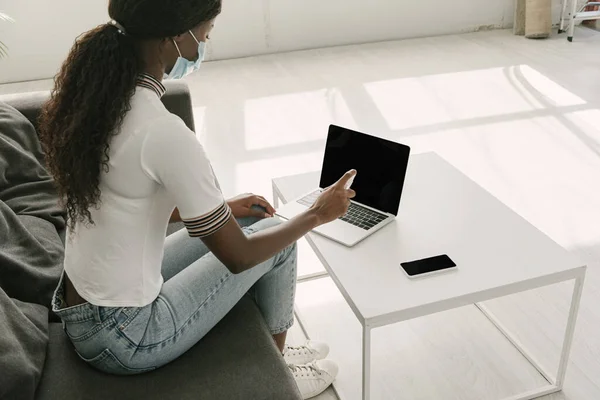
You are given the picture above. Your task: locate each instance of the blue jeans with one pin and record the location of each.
(197, 293)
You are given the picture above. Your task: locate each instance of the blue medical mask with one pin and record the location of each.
(183, 67)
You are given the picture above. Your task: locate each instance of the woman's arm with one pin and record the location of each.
(240, 252)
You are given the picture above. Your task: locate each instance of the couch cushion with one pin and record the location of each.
(23, 345)
(236, 360)
(31, 218)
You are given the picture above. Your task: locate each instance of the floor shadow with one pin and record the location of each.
(588, 141)
(384, 131)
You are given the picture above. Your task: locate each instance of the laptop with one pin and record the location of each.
(381, 170)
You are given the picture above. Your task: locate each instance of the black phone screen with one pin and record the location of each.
(427, 265)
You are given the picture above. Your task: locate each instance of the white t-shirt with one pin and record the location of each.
(156, 164)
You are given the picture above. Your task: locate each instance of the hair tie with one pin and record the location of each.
(119, 27)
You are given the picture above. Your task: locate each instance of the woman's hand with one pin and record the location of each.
(242, 206)
(335, 200)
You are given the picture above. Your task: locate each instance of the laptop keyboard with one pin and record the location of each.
(357, 215)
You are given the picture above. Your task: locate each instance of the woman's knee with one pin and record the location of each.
(249, 221)
(263, 224)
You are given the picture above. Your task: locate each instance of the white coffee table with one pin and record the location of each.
(442, 211)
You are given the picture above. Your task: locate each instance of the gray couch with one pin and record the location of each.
(236, 360)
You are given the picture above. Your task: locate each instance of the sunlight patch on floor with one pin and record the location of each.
(433, 99)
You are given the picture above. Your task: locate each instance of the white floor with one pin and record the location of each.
(520, 117)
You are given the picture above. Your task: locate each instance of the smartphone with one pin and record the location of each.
(428, 266)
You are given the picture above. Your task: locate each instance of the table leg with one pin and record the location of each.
(300, 322)
(556, 385)
(275, 196)
(366, 360)
(515, 342)
(569, 331)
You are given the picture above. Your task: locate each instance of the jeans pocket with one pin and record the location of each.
(83, 330)
(132, 323)
(125, 315)
(107, 362)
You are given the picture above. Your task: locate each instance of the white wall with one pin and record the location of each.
(253, 26)
(43, 33)
(45, 30)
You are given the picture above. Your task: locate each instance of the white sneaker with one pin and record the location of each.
(309, 352)
(313, 378)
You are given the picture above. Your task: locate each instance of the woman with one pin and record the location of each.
(131, 301)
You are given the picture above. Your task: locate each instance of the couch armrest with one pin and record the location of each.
(29, 104)
(177, 100)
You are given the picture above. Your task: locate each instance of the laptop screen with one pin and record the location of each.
(380, 164)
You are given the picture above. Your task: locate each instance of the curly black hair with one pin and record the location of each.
(93, 89)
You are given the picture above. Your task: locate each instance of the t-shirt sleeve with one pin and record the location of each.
(173, 157)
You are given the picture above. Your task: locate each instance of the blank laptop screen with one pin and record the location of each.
(380, 164)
